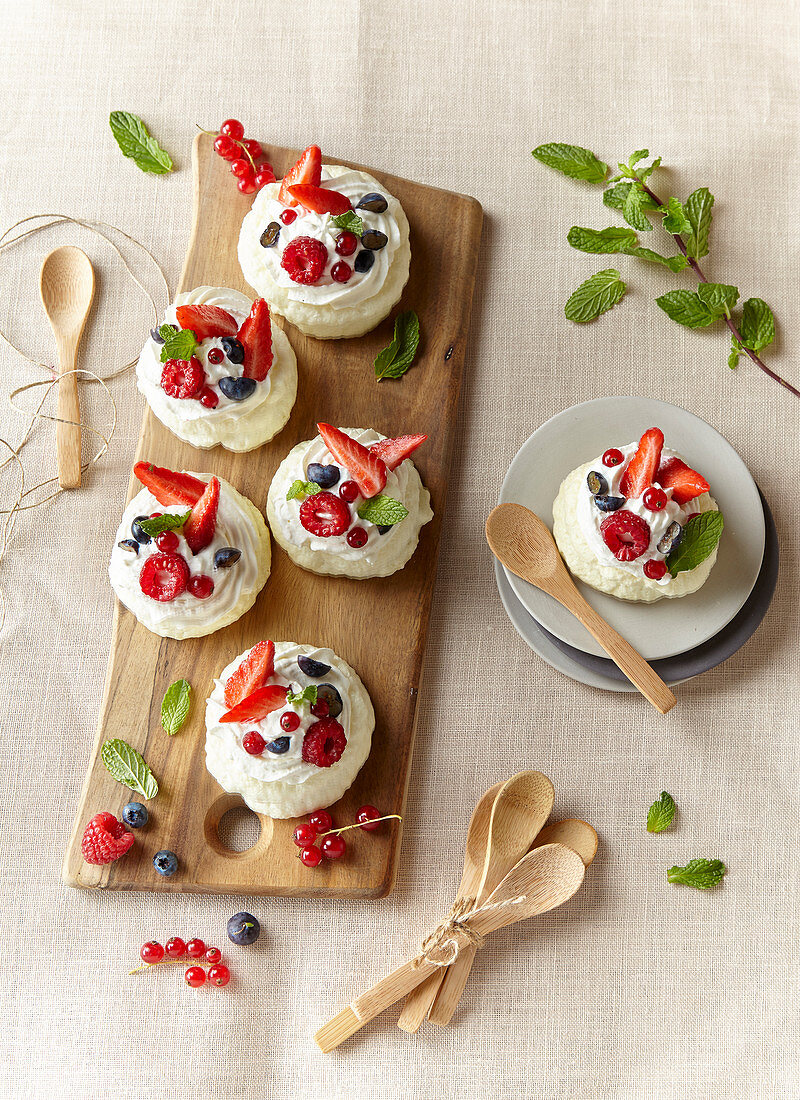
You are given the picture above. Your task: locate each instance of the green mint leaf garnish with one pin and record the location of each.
(394, 360)
(595, 296)
(175, 705)
(166, 332)
(719, 297)
(757, 328)
(685, 307)
(661, 813)
(700, 537)
(736, 351)
(572, 161)
(700, 873)
(613, 239)
(674, 263)
(135, 142)
(299, 490)
(698, 211)
(640, 154)
(382, 511)
(179, 346)
(349, 221)
(633, 209)
(307, 695)
(646, 173)
(127, 766)
(169, 521)
(615, 197)
(675, 220)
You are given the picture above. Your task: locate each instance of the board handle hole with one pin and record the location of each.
(239, 829)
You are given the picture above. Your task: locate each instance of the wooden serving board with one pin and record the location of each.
(379, 626)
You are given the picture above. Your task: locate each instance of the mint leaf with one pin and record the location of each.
(758, 324)
(299, 490)
(698, 211)
(595, 296)
(169, 521)
(166, 332)
(661, 813)
(615, 197)
(736, 351)
(719, 297)
(175, 705)
(675, 220)
(674, 263)
(700, 873)
(640, 154)
(179, 346)
(349, 221)
(685, 307)
(572, 161)
(127, 766)
(382, 511)
(646, 173)
(700, 536)
(135, 142)
(307, 695)
(613, 239)
(394, 360)
(633, 209)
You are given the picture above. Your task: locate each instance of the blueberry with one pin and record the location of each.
(243, 929)
(670, 539)
(129, 544)
(269, 238)
(138, 533)
(159, 339)
(608, 503)
(364, 261)
(237, 389)
(327, 693)
(226, 556)
(313, 668)
(165, 862)
(279, 746)
(596, 482)
(324, 476)
(135, 815)
(374, 240)
(384, 528)
(233, 348)
(375, 203)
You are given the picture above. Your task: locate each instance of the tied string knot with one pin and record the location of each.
(442, 946)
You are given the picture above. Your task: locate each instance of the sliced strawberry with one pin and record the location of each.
(202, 523)
(258, 705)
(168, 486)
(320, 199)
(307, 170)
(686, 483)
(395, 451)
(206, 321)
(368, 470)
(252, 673)
(255, 336)
(642, 468)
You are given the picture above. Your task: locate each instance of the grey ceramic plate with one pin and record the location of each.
(668, 627)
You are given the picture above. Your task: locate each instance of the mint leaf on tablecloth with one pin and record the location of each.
(615, 197)
(758, 324)
(394, 360)
(613, 239)
(179, 346)
(349, 221)
(127, 766)
(175, 705)
(661, 813)
(674, 263)
(700, 873)
(595, 296)
(736, 351)
(572, 161)
(307, 695)
(169, 521)
(685, 307)
(633, 209)
(698, 211)
(135, 142)
(675, 220)
(299, 490)
(700, 537)
(719, 297)
(382, 511)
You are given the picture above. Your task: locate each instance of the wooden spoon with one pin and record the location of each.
(420, 1000)
(572, 833)
(523, 544)
(545, 877)
(520, 810)
(66, 286)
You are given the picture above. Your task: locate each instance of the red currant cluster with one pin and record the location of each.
(332, 846)
(153, 953)
(243, 154)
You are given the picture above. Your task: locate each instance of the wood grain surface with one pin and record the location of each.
(379, 626)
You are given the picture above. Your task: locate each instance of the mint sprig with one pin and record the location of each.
(128, 766)
(307, 695)
(135, 142)
(166, 332)
(394, 360)
(169, 521)
(382, 511)
(175, 706)
(700, 537)
(349, 221)
(700, 873)
(573, 161)
(597, 295)
(181, 345)
(299, 490)
(661, 813)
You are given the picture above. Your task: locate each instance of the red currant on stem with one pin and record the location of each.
(219, 974)
(247, 184)
(304, 835)
(195, 976)
(333, 846)
(226, 147)
(213, 955)
(152, 952)
(367, 818)
(175, 948)
(241, 167)
(195, 948)
(311, 856)
(321, 821)
(264, 175)
(253, 147)
(232, 128)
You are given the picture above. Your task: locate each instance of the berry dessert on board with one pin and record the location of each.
(288, 727)
(327, 247)
(191, 554)
(217, 371)
(638, 522)
(349, 502)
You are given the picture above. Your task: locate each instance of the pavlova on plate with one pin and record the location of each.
(638, 522)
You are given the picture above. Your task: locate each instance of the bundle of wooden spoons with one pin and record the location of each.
(513, 869)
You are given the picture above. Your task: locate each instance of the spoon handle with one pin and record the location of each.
(68, 428)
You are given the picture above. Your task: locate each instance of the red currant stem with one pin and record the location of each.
(359, 825)
(148, 966)
(246, 153)
(695, 266)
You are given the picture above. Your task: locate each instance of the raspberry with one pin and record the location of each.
(324, 743)
(324, 514)
(164, 576)
(304, 260)
(182, 377)
(105, 839)
(625, 534)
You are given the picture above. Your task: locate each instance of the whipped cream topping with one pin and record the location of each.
(326, 291)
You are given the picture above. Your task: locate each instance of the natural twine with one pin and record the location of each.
(444, 944)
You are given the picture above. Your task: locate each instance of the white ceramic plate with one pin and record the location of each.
(667, 627)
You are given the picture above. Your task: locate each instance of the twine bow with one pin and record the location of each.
(442, 946)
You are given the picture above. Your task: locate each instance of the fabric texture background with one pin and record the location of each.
(636, 988)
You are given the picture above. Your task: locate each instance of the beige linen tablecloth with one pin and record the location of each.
(636, 989)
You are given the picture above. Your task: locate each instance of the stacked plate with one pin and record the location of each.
(680, 637)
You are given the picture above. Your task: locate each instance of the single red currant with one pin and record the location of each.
(346, 243)
(253, 147)
(200, 586)
(167, 541)
(333, 846)
(264, 175)
(175, 948)
(213, 954)
(195, 948)
(226, 148)
(311, 856)
(241, 167)
(152, 952)
(208, 398)
(655, 499)
(219, 974)
(289, 721)
(366, 818)
(216, 355)
(613, 457)
(348, 491)
(304, 835)
(320, 709)
(654, 569)
(357, 537)
(232, 128)
(321, 820)
(253, 743)
(341, 272)
(288, 216)
(247, 184)
(195, 976)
